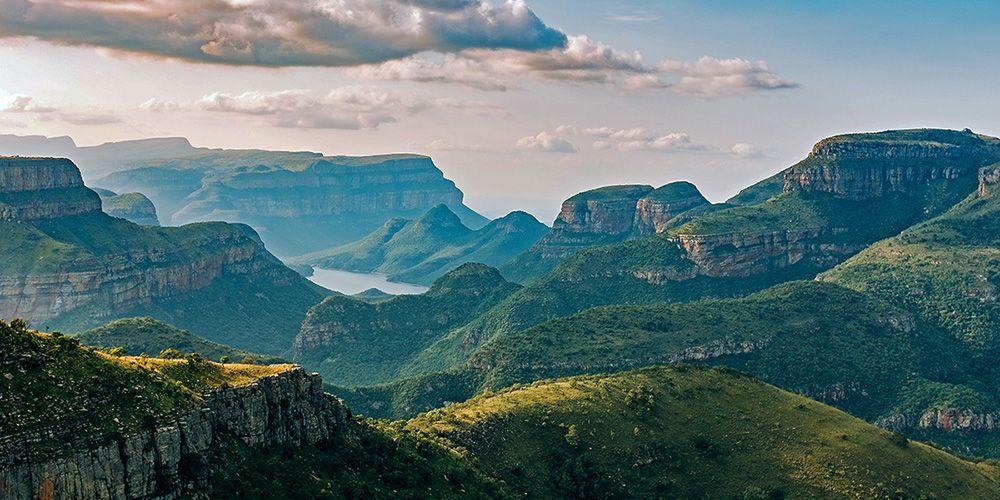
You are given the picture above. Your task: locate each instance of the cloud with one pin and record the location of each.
(281, 32)
(581, 60)
(635, 139)
(159, 106)
(27, 105)
(443, 145)
(546, 142)
(712, 77)
(744, 150)
(349, 108)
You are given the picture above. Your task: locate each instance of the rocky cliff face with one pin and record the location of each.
(168, 460)
(67, 265)
(43, 188)
(609, 211)
(866, 166)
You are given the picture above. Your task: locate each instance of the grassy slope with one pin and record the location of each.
(372, 342)
(687, 432)
(147, 335)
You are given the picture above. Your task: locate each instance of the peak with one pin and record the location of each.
(675, 191)
(519, 218)
(469, 276)
(926, 137)
(439, 214)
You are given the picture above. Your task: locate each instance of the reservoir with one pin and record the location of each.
(351, 283)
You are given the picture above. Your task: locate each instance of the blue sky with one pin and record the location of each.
(567, 118)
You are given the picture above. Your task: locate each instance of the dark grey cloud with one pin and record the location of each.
(281, 32)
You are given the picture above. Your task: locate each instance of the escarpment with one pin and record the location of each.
(298, 204)
(134, 207)
(171, 456)
(34, 189)
(850, 191)
(68, 265)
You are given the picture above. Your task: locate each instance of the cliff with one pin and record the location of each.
(67, 265)
(43, 188)
(605, 215)
(79, 424)
(297, 203)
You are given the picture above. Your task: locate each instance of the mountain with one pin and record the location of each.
(351, 341)
(424, 249)
(298, 201)
(848, 193)
(605, 215)
(67, 265)
(687, 432)
(133, 207)
(146, 335)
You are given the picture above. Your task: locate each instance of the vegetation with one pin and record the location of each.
(369, 343)
(147, 335)
(68, 396)
(687, 432)
(422, 250)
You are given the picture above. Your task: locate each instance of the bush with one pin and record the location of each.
(171, 353)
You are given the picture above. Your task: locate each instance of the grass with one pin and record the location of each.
(686, 432)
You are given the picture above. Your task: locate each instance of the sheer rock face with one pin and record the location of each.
(43, 188)
(867, 166)
(609, 211)
(989, 178)
(170, 460)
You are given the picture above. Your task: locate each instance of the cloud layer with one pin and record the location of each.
(281, 32)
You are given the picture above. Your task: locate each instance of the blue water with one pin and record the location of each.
(352, 283)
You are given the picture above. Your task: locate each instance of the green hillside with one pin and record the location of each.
(147, 335)
(422, 250)
(352, 341)
(258, 311)
(687, 432)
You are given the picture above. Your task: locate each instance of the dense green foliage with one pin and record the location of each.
(147, 335)
(422, 250)
(686, 432)
(370, 343)
(369, 460)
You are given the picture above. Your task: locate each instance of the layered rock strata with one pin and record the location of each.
(170, 459)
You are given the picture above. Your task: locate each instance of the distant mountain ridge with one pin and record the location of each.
(298, 201)
(426, 248)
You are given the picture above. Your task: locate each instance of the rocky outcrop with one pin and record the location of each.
(170, 459)
(946, 420)
(748, 254)
(608, 210)
(43, 188)
(864, 166)
(989, 178)
(656, 209)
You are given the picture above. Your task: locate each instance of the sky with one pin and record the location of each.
(521, 103)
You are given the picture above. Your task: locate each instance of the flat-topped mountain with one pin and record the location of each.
(298, 201)
(67, 265)
(424, 249)
(605, 215)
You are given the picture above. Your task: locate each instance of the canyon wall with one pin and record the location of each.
(43, 188)
(171, 459)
